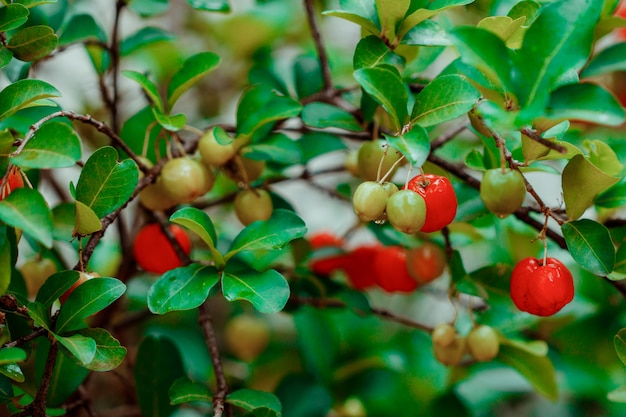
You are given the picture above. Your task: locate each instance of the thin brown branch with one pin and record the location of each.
(321, 52)
(114, 50)
(534, 135)
(447, 136)
(25, 339)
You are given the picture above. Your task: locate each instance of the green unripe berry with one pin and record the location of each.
(369, 201)
(406, 211)
(502, 191)
(483, 343)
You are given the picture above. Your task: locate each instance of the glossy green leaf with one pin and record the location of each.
(607, 60)
(182, 288)
(169, 122)
(589, 243)
(614, 197)
(184, 390)
(192, 70)
(40, 315)
(143, 37)
(485, 51)
(528, 9)
(315, 144)
(582, 182)
(55, 285)
(158, 366)
(148, 8)
(22, 93)
(33, 3)
(267, 291)
(363, 13)
(221, 6)
(33, 42)
(603, 156)
(81, 28)
(385, 86)
(278, 148)
(558, 41)
(619, 341)
(281, 228)
(199, 222)
(414, 145)
(445, 98)
(11, 355)
(87, 299)
(12, 16)
(418, 14)
(26, 209)
(141, 133)
(307, 75)
(148, 87)
(249, 400)
(260, 105)
(106, 184)
(54, 145)
(537, 370)
(322, 115)
(427, 33)
(13, 371)
(108, 355)
(5, 57)
(586, 101)
(86, 221)
(372, 51)
(81, 348)
(317, 342)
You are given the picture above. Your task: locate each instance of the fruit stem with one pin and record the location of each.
(380, 163)
(391, 169)
(424, 183)
(146, 139)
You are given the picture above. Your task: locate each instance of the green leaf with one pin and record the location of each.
(81, 348)
(199, 222)
(6, 264)
(486, 52)
(278, 148)
(168, 122)
(12, 371)
(503, 26)
(589, 243)
(221, 6)
(318, 343)
(414, 145)
(315, 144)
(105, 184)
(603, 157)
(582, 182)
(263, 412)
(385, 86)
(267, 291)
(390, 14)
(26, 209)
(538, 370)
(55, 286)
(54, 145)
(614, 197)
(11, 355)
(260, 105)
(33, 3)
(182, 288)
(250, 400)
(87, 299)
(40, 314)
(322, 115)
(143, 37)
(33, 42)
(281, 228)
(620, 345)
(372, 51)
(86, 221)
(617, 395)
(148, 87)
(608, 60)
(585, 101)
(418, 14)
(445, 98)
(81, 28)
(12, 16)
(157, 367)
(109, 354)
(149, 8)
(184, 390)
(427, 33)
(5, 57)
(558, 41)
(20, 94)
(363, 13)
(192, 70)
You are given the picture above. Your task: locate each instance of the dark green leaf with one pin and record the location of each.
(6, 264)
(87, 299)
(109, 354)
(184, 390)
(278, 148)
(86, 221)
(141, 134)
(13, 371)
(620, 345)
(192, 70)
(249, 400)
(26, 209)
(303, 395)
(81, 28)
(608, 60)
(55, 285)
(143, 37)
(317, 341)
(260, 105)
(586, 101)
(263, 412)
(222, 6)
(538, 370)
(33, 42)
(199, 222)
(12, 16)
(307, 75)
(267, 291)
(614, 197)
(148, 87)
(445, 98)
(182, 288)
(54, 145)
(414, 145)
(372, 51)
(22, 93)
(78, 347)
(11, 355)
(315, 144)
(322, 115)
(157, 366)
(106, 184)
(5, 56)
(385, 86)
(589, 243)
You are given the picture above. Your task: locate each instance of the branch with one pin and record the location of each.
(534, 135)
(321, 52)
(115, 64)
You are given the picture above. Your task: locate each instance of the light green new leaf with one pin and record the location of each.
(33, 42)
(414, 145)
(445, 98)
(608, 60)
(33, 3)
(182, 288)
(22, 93)
(87, 299)
(105, 184)
(603, 156)
(192, 70)
(54, 145)
(321, 115)
(538, 370)
(109, 354)
(589, 243)
(80, 348)
(267, 291)
(143, 37)
(582, 182)
(503, 26)
(26, 209)
(184, 390)
(199, 222)
(385, 85)
(148, 87)
(86, 221)
(618, 395)
(249, 400)
(585, 101)
(391, 13)
(12, 16)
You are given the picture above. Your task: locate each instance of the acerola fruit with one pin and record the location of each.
(185, 179)
(246, 336)
(154, 252)
(359, 267)
(369, 159)
(14, 180)
(253, 205)
(391, 272)
(214, 153)
(426, 262)
(83, 276)
(369, 201)
(406, 211)
(324, 239)
(540, 289)
(452, 354)
(330, 259)
(440, 198)
(502, 191)
(483, 343)
(154, 197)
(443, 334)
(35, 272)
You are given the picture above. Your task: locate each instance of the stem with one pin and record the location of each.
(534, 135)
(115, 64)
(206, 322)
(321, 52)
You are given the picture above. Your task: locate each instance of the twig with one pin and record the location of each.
(25, 339)
(321, 52)
(534, 135)
(447, 136)
(115, 63)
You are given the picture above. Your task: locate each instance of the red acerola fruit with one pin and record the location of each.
(359, 266)
(153, 250)
(391, 271)
(540, 289)
(440, 198)
(14, 180)
(329, 255)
